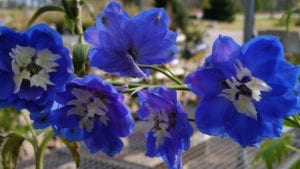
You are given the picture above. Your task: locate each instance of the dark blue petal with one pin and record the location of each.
(7, 85)
(206, 82)
(102, 138)
(212, 115)
(60, 118)
(72, 134)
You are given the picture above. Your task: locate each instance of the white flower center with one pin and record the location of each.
(32, 65)
(243, 89)
(158, 123)
(89, 107)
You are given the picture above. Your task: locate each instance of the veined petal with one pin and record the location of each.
(206, 82)
(224, 54)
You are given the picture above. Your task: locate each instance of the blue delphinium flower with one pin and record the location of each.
(34, 65)
(245, 91)
(169, 130)
(93, 111)
(120, 42)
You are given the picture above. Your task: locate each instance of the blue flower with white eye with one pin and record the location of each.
(169, 131)
(120, 42)
(245, 91)
(34, 65)
(93, 111)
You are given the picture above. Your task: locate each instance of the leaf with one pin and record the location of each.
(43, 10)
(79, 54)
(273, 151)
(295, 165)
(74, 149)
(290, 123)
(10, 150)
(69, 23)
(90, 8)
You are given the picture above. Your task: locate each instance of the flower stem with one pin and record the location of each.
(39, 155)
(169, 75)
(34, 140)
(78, 22)
(134, 86)
(292, 148)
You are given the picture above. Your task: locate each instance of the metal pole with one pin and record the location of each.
(249, 6)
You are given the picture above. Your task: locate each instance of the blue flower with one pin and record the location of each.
(34, 65)
(245, 91)
(120, 42)
(93, 111)
(169, 130)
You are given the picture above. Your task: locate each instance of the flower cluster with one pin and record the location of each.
(246, 91)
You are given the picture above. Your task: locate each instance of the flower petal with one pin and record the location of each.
(224, 54)
(212, 114)
(206, 82)
(261, 55)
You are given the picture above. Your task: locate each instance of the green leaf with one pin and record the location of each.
(71, 9)
(273, 151)
(90, 8)
(79, 54)
(43, 10)
(74, 149)
(10, 150)
(69, 23)
(290, 123)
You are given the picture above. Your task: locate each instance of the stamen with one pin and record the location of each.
(34, 66)
(89, 106)
(243, 89)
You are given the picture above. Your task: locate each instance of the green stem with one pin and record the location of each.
(156, 68)
(39, 155)
(78, 22)
(133, 86)
(34, 140)
(292, 148)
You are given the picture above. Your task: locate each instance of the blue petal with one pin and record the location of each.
(212, 115)
(122, 65)
(29, 93)
(7, 85)
(72, 134)
(248, 131)
(91, 35)
(268, 110)
(261, 55)
(206, 82)
(224, 55)
(41, 36)
(40, 120)
(10, 38)
(102, 138)
(60, 118)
